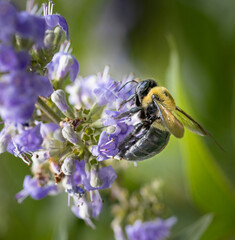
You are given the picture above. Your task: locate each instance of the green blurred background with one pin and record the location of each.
(187, 46)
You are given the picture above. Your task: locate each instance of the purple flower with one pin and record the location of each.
(106, 148)
(87, 210)
(79, 171)
(8, 19)
(53, 20)
(31, 27)
(48, 128)
(81, 92)
(108, 143)
(110, 92)
(11, 60)
(29, 140)
(32, 189)
(152, 230)
(106, 175)
(62, 64)
(19, 92)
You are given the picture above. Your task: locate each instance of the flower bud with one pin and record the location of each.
(95, 180)
(68, 166)
(69, 134)
(58, 135)
(49, 39)
(59, 98)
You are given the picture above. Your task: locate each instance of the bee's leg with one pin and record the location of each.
(129, 113)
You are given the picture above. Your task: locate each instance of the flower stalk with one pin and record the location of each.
(48, 111)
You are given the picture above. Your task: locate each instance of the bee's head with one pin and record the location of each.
(164, 97)
(143, 88)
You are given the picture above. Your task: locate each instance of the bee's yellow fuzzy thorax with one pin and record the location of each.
(164, 96)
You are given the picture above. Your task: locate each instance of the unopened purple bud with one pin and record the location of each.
(69, 134)
(58, 97)
(68, 166)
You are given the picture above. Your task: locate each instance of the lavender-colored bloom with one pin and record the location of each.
(110, 92)
(152, 230)
(79, 172)
(118, 232)
(19, 92)
(11, 60)
(96, 203)
(106, 148)
(54, 20)
(31, 27)
(62, 64)
(32, 189)
(29, 140)
(108, 143)
(81, 92)
(8, 19)
(106, 92)
(87, 210)
(48, 128)
(106, 175)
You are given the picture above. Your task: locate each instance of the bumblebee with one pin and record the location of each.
(159, 118)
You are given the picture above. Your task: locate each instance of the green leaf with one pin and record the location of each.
(208, 185)
(196, 230)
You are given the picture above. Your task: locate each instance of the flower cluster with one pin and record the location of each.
(65, 142)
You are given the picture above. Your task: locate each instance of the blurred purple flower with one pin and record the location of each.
(29, 140)
(152, 230)
(8, 19)
(53, 20)
(81, 92)
(62, 64)
(106, 175)
(32, 189)
(87, 210)
(11, 60)
(48, 128)
(19, 92)
(31, 27)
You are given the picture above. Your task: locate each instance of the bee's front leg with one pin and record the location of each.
(129, 113)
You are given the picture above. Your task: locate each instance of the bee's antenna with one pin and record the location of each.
(127, 83)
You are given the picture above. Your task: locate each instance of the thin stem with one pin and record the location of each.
(48, 111)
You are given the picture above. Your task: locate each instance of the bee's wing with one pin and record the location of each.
(170, 121)
(192, 125)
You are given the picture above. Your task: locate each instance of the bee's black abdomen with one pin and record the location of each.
(143, 145)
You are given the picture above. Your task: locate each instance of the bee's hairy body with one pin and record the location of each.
(141, 146)
(149, 136)
(159, 118)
